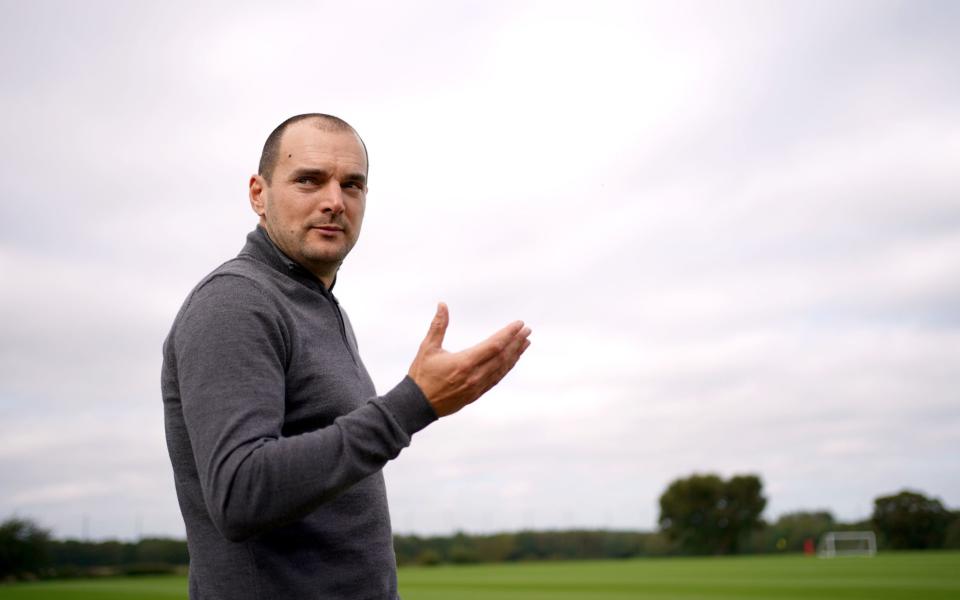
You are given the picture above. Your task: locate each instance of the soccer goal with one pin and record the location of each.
(847, 543)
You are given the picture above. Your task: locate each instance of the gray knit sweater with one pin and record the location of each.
(277, 437)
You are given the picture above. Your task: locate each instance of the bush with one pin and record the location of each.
(952, 537)
(149, 569)
(428, 558)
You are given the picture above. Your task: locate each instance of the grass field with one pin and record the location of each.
(888, 576)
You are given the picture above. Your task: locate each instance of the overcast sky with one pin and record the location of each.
(733, 227)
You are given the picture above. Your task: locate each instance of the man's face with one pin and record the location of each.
(313, 206)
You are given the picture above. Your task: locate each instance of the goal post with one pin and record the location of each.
(847, 543)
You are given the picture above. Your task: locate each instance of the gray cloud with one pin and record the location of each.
(734, 230)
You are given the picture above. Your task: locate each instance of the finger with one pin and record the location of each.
(499, 369)
(517, 348)
(513, 344)
(493, 370)
(497, 343)
(438, 328)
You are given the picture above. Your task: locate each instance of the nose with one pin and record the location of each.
(331, 198)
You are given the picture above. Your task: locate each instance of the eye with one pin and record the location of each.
(305, 179)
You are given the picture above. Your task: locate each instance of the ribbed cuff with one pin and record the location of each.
(409, 406)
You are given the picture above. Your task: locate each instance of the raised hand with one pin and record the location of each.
(451, 380)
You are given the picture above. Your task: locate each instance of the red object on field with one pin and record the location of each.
(808, 548)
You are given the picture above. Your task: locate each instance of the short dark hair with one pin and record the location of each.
(271, 148)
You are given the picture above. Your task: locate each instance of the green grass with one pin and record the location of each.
(888, 576)
(108, 588)
(926, 575)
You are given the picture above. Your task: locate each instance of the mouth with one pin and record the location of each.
(328, 229)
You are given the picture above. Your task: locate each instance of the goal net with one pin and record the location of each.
(847, 543)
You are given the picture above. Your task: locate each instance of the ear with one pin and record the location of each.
(259, 195)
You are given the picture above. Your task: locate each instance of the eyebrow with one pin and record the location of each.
(356, 178)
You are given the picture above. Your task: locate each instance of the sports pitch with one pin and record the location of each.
(888, 576)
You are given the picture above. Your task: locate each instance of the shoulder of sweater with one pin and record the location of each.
(240, 279)
(242, 272)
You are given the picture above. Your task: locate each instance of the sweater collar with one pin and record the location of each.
(260, 247)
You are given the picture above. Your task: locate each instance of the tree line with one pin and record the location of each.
(699, 515)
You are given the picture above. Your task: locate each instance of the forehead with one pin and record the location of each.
(306, 144)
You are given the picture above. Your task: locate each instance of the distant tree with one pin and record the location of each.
(463, 549)
(23, 548)
(910, 520)
(952, 538)
(429, 557)
(496, 548)
(706, 515)
(575, 544)
(791, 530)
(162, 550)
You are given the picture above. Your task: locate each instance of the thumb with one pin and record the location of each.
(438, 327)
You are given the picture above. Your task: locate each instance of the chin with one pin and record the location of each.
(325, 255)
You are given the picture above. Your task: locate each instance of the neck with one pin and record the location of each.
(326, 279)
(325, 273)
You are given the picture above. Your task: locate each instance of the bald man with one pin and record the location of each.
(276, 434)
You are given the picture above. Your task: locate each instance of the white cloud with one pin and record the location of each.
(733, 229)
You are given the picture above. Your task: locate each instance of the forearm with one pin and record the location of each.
(257, 486)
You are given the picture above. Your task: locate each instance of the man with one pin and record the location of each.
(275, 432)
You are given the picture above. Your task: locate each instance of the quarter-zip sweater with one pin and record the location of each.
(277, 437)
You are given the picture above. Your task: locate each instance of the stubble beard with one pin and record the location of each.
(308, 254)
(320, 258)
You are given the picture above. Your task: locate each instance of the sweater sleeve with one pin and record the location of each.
(230, 347)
